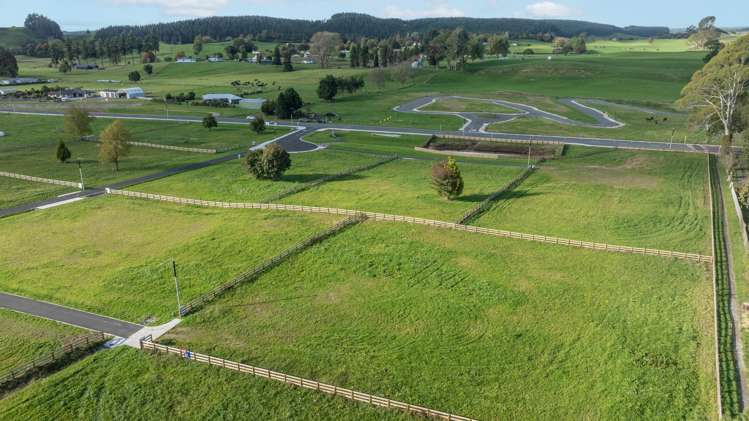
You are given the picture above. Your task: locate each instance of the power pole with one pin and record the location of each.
(80, 173)
(529, 154)
(176, 286)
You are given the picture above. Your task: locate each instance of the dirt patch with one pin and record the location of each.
(469, 145)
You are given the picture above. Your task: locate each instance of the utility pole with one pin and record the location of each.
(176, 286)
(671, 141)
(166, 105)
(80, 173)
(529, 154)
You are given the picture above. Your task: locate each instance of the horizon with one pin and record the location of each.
(144, 12)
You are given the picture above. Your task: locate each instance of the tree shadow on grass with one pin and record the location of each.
(307, 178)
(515, 194)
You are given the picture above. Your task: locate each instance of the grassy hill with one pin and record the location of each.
(15, 37)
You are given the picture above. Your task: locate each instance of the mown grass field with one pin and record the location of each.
(25, 338)
(16, 192)
(112, 255)
(644, 199)
(663, 127)
(419, 315)
(124, 383)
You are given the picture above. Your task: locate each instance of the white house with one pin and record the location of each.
(308, 61)
(185, 60)
(215, 59)
(131, 93)
(109, 93)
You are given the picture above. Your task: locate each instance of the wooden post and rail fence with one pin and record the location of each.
(268, 264)
(472, 214)
(41, 179)
(147, 344)
(383, 217)
(166, 147)
(80, 342)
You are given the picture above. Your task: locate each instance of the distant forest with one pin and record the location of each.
(356, 25)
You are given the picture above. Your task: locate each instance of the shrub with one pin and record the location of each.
(446, 179)
(270, 163)
(258, 124)
(268, 107)
(529, 52)
(209, 121)
(288, 103)
(148, 68)
(743, 193)
(133, 76)
(63, 153)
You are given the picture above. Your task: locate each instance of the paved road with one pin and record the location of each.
(68, 315)
(477, 121)
(295, 141)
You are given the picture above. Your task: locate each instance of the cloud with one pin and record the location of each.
(549, 9)
(438, 10)
(182, 8)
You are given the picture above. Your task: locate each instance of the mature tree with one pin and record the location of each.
(115, 144)
(476, 48)
(324, 45)
(258, 124)
(148, 68)
(717, 93)
(209, 121)
(277, 56)
(577, 44)
(63, 153)
(704, 34)
(179, 55)
(42, 27)
(288, 103)
(446, 179)
(457, 47)
(402, 72)
(197, 45)
(64, 67)
(148, 57)
(499, 45)
(270, 163)
(287, 66)
(268, 107)
(8, 64)
(328, 88)
(354, 55)
(77, 122)
(133, 76)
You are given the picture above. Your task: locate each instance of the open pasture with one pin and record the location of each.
(417, 314)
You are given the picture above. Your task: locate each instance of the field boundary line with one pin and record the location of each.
(80, 342)
(167, 147)
(739, 214)
(263, 267)
(376, 216)
(728, 352)
(485, 204)
(306, 186)
(147, 344)
(41, 179)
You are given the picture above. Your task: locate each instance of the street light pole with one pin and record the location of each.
(80, 173)
(176, 286)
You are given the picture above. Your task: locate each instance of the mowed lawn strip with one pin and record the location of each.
(232, 182)
(112, 255)
(25, 338)
(641, 199)
(125, 382)
(462, 323)
(467, 105)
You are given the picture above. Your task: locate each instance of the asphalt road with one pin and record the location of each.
(68, 315)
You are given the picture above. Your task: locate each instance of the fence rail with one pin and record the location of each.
(148, 345)
(41, 180)
(420, 221)
(306, 186)
(168, 147)
(740, 215)
(502, 140)
(486, 203)
(268, 264)
(68, 346)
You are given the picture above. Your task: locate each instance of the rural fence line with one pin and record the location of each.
(146, 344)
(306, 186)
(471, 214)
(41, 180)
(696, 257)
(740, 215)
(268, 264)
(76, 343)
(168, 147)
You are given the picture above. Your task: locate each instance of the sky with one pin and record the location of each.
(73, 15)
